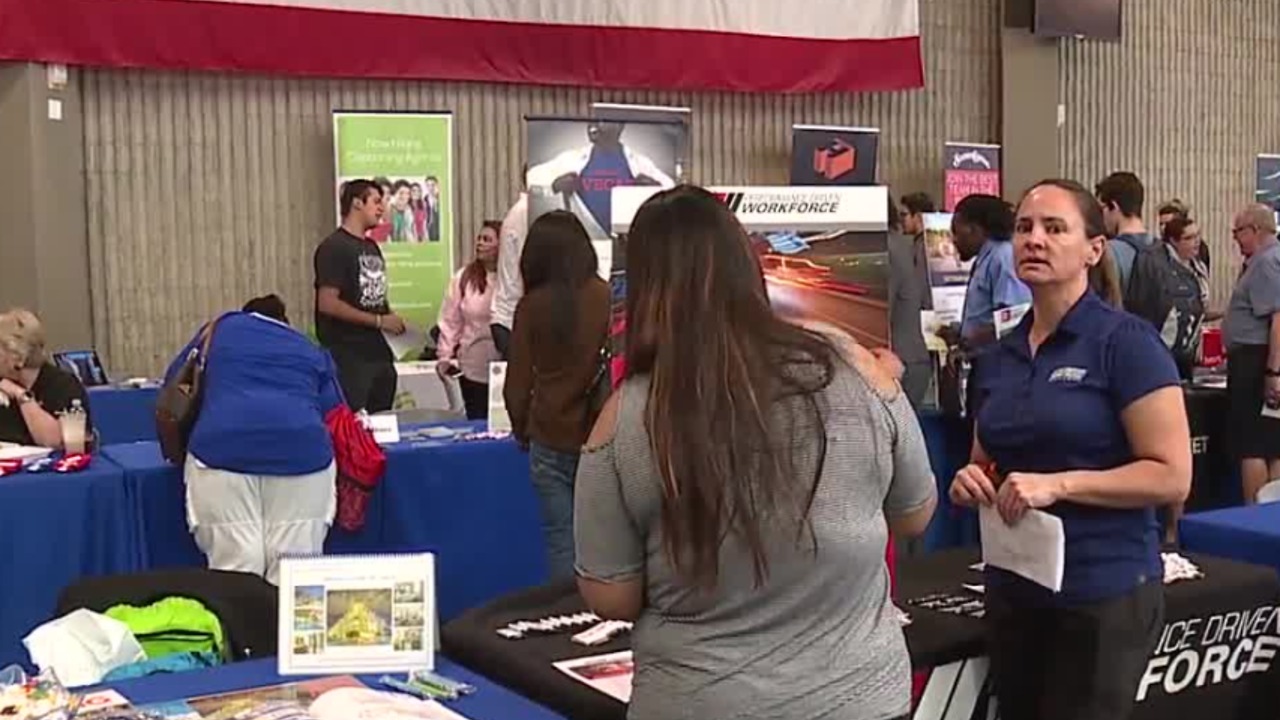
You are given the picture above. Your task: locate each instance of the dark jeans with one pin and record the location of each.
(475, 398)
(1078, 663)
(553, 474)
(367, 384)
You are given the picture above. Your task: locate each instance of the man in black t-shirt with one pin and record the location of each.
(352, 312)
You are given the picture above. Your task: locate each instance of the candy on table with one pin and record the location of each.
(602, 633)
(1177, 567)
(72, 463)
(485, 435)
(520, 628)
(40, 697)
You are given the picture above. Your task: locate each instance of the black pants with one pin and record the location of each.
(501, 339)
(475, 398)
(1079, 663)
(368, 384)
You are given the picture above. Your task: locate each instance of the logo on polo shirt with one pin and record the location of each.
(1068, 375)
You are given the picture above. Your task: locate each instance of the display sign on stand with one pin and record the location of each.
(824, 155)
(971, 169)
(822, 250)
(948, 285)
(670, 117)
(499, 418)
(574, 164)
(948, 274)
(411, 156)
(357, 614)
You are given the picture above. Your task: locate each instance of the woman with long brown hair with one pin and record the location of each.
(561, 325)
(733, 495)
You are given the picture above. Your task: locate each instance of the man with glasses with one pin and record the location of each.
(1252, 335)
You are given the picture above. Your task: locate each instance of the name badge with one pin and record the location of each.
(1068, 375)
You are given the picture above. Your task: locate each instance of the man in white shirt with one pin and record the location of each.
(515, 226)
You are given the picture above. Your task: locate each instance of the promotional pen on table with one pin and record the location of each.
(419, 691)
(429, 685)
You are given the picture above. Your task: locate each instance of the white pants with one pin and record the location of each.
(246, 523)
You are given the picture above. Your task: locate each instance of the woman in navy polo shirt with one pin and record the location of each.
(1082, 415)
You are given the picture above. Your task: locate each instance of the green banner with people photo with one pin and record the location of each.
(410, 155)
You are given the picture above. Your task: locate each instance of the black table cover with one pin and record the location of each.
(1234, 610)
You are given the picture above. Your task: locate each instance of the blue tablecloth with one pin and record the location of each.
(55, 529)
(489, 702)
(1248, 534)
(470, 503)
(947, 439)
(123, 415)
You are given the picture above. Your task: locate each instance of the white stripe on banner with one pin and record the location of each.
(819, 19)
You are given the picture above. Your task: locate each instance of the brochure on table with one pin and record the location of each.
(823, 250)
(327, 698)
(357, 614)
(610, 674)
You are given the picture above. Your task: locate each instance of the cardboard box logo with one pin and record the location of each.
(835, 160)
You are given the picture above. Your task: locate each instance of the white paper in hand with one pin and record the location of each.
(1034, 548)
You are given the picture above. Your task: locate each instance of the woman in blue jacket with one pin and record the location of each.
(1081, 416)
(260, 470)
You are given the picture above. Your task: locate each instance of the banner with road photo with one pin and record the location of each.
(1267, 186)
(971, 169)
(822, 155)
(823, 251)
(411, 156)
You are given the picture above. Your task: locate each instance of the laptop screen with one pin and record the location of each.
(84, 364)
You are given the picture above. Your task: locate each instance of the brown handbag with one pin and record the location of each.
(178, 404)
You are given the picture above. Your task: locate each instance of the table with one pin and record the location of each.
(1234, 593)
(947, 439)
(123, 414)
(471, 503)
(1215, 476)
(55, 529)
(489, 702)
(1247, 534)
(1241, 598)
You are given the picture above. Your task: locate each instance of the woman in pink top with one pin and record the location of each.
(466, 344)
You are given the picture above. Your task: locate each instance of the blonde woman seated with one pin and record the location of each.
(33, 390)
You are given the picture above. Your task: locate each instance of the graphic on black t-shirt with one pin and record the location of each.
(356, 268)
(373, 282)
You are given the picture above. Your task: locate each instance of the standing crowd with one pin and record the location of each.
(735, 494)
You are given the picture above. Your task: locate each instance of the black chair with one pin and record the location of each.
(247, 605)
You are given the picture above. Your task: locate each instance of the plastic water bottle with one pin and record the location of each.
(74, 428)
